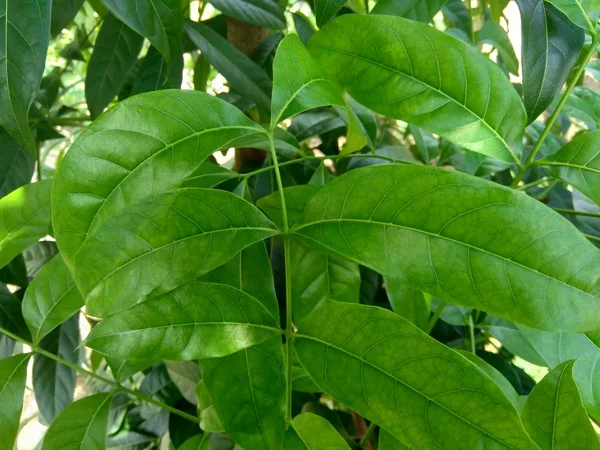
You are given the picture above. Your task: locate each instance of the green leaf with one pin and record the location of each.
(16, 164)
(408, 302)
(493, 34)
(584, 104)
(82, 424)
(437, 82)
(63, 12)
(479, 244)
(509, 334)
(419, 10)
(303, 27)
(198, 442)
(554, 416)
(23, 44)
(11, 318)
(115, 52)
(54, 383)
(578, 164)
(393, 374)
(195, 321)
(325, 10)
(13, 373)
(50, 299)
(185, 375)
(264, 13)
(154, 75)
(583, 13)
(321, 176)
(551, 45)
(243, 74)
(458, 16)
(209, 419)
(388, 442)
(314, 123)
(299, 83)
(24, 218)
(296, 199)
(122, 369)
(311, 432)
(201, 73)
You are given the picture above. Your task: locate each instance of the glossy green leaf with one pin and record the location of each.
(63, 12)
(325, 10)
(390, 372)
(82, 425)
(479, 244)
(583, 13)
(16, 164)
(407, 302)
(311, 432)
(388, 442)
(24, 218)
(11, 318)
(264, 13)
(419, 10)
(13, 373)
(24, 38)
(195, 321)
(438, 83)
(493, 34)
(550, 47)
(185, 375)
(115, 52)
(50, 299)
(554, 416)
(243, 74)
(299, 83)
(54, 383)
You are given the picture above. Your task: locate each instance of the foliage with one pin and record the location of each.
(361, 236)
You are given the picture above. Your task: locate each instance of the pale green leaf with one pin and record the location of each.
(393, 374)
(583, 13)
(419, 10)
(437, 82)
(584, 104)
(264, 13)
(311, 432)
(461, 239)
(13, 373)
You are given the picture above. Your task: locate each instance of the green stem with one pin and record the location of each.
(436, 315)
(592, 238)
(279, 182)
(542, 195)
(470, 9)
(472, 333)
(576, 213)
(95, 376)
(368, 434)
(532, 184)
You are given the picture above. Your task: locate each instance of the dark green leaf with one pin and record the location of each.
(414, 387)
(37, 255)
(24, 218)
(11, 318)
(16, 164)
(311, 432)
(314, 123)
(201, 73)
(209, 175)
(458, 16)
(115, 52)
(153, 75)
(419, 10)
(551, 45)
(82, 425)
(63, 12)
(13, 373)
(198, 442)
(325, 10)
(264, 13)
(23, 44)
(493, 34)
(438, 83)
(388, 442)
(583, 13)
(303, 27)
(54, 383)
(468, 248)
(554, 416)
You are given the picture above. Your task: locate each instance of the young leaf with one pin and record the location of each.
(299, 83)
(23, 44)
(419, 10)
(311, 432)
(11, 318)
(63, 12)
(54, 383)
(264, 13)
(80, 425)
(16, 164)
(24, 218)
(50, 299)
(438, 83)
(243, 74)
(554, 416)
(479, 245)
(115, 52)
(551, 45)
(583, 13)
(13, 373)
(195, 321)
(493, 34)
(393, 374)
(578, 164)
(325, 10)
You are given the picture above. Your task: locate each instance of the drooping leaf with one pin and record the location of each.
(419, 10)
(583, 13)
(299, 82)
(264, 13)
(115, 52)
(50, 299)
(243, 74)
(325, 10)
(63, 12)
(11, 318)
(82, 425)
(311, 432)
(16, 164)
(24, 218)
(495, 249)
(393, 374)
(493, 34)
(185, 375)
(53, 382)
(554, 416)
(195, 321)
(13, 373)
(437, 82)
(578, 163)
(550, 47)
(24, 38)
